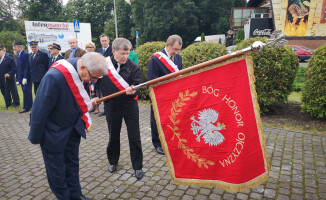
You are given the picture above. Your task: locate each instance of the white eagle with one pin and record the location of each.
(205, 127)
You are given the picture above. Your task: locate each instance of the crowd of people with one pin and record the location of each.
(68, 87)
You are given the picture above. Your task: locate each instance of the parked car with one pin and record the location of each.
(230, 48)
(303, 53)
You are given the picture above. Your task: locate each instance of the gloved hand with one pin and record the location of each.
(17, 83)
(24, 81)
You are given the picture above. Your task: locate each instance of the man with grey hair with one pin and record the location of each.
(60, 117)
(74, 50)
(167, 61)
(123, 74)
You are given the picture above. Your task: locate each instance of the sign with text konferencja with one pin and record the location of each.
(56, 32)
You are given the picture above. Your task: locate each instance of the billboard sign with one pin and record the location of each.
(262, 27)
(56, 32)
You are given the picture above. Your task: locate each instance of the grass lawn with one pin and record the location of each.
(295, 97)
(11, 108)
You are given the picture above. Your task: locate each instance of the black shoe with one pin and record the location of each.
(7, 106)
(81, 198)
(139, 174)
(101, 114)
(24, 110)
(112, 168)
(159, 150)
(16, 106)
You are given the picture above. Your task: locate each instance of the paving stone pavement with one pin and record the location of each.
(297, 162)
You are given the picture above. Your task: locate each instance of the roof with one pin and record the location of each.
(254, 3)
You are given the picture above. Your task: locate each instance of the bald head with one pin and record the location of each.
(73, 43)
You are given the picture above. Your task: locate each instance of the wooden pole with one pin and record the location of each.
(181, 72)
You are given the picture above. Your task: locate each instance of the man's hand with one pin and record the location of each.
(17, 83)
(7, 75)
(94, 102)
(24, 82)
(130, 90)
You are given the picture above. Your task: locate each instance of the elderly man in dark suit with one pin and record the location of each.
(55, 54)
(60, 117)
(7, 79)
(23, 75)
(39, 64)
(74, 50)
(156, 69)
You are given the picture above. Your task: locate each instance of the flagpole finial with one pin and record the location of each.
(276, 39)
(257, 46)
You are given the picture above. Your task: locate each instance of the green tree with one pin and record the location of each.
(95, 12)
(7, 38)
(156, 20)
(240, 36)
(8, 10)
(202, 39)
(214, 16)
(41, 10)
(124, 23)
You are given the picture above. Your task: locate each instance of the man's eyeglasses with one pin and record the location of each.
(93, 78)
(90, 47)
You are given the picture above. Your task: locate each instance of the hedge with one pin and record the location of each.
(274, 70)
(314, 90)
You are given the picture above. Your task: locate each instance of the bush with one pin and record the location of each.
(201, 52)
(274, 71)
(240, 36)
(145, 52)
(299, 79)
(314, 91)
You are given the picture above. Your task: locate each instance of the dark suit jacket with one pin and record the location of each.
(23, 70)
(59, 57)
(55, 112)
(39, 65)
(7, 66)
(107, 53)
(79, 53)
(157, 69)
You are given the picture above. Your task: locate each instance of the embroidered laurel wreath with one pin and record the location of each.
(175, 110)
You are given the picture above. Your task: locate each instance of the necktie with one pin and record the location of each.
(33, 55)
(118, 69)
(172, 58)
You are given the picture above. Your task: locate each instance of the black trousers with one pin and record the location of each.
(131, 118)
(62, 169)
(36, 84)
(155, 138)
(9, 90)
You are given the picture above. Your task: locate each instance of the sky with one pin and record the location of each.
(65, 2)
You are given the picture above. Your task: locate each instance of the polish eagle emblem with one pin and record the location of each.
(207, 127)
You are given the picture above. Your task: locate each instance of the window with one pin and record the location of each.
(323, 13)
(239, 15)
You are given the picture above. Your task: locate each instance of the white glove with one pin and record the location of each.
(24, 81)
(17, 83)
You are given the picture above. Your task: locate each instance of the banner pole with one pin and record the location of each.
(256, 47)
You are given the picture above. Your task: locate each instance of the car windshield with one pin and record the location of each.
(304, 48)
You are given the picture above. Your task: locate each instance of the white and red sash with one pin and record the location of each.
(166, 62)
(115, 77)
(77, 88)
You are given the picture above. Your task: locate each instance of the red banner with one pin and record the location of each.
(210, 127)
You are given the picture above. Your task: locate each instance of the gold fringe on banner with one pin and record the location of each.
(215, 183)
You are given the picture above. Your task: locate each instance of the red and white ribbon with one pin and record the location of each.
(166, 62)
(77, 88)
(115, 77)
